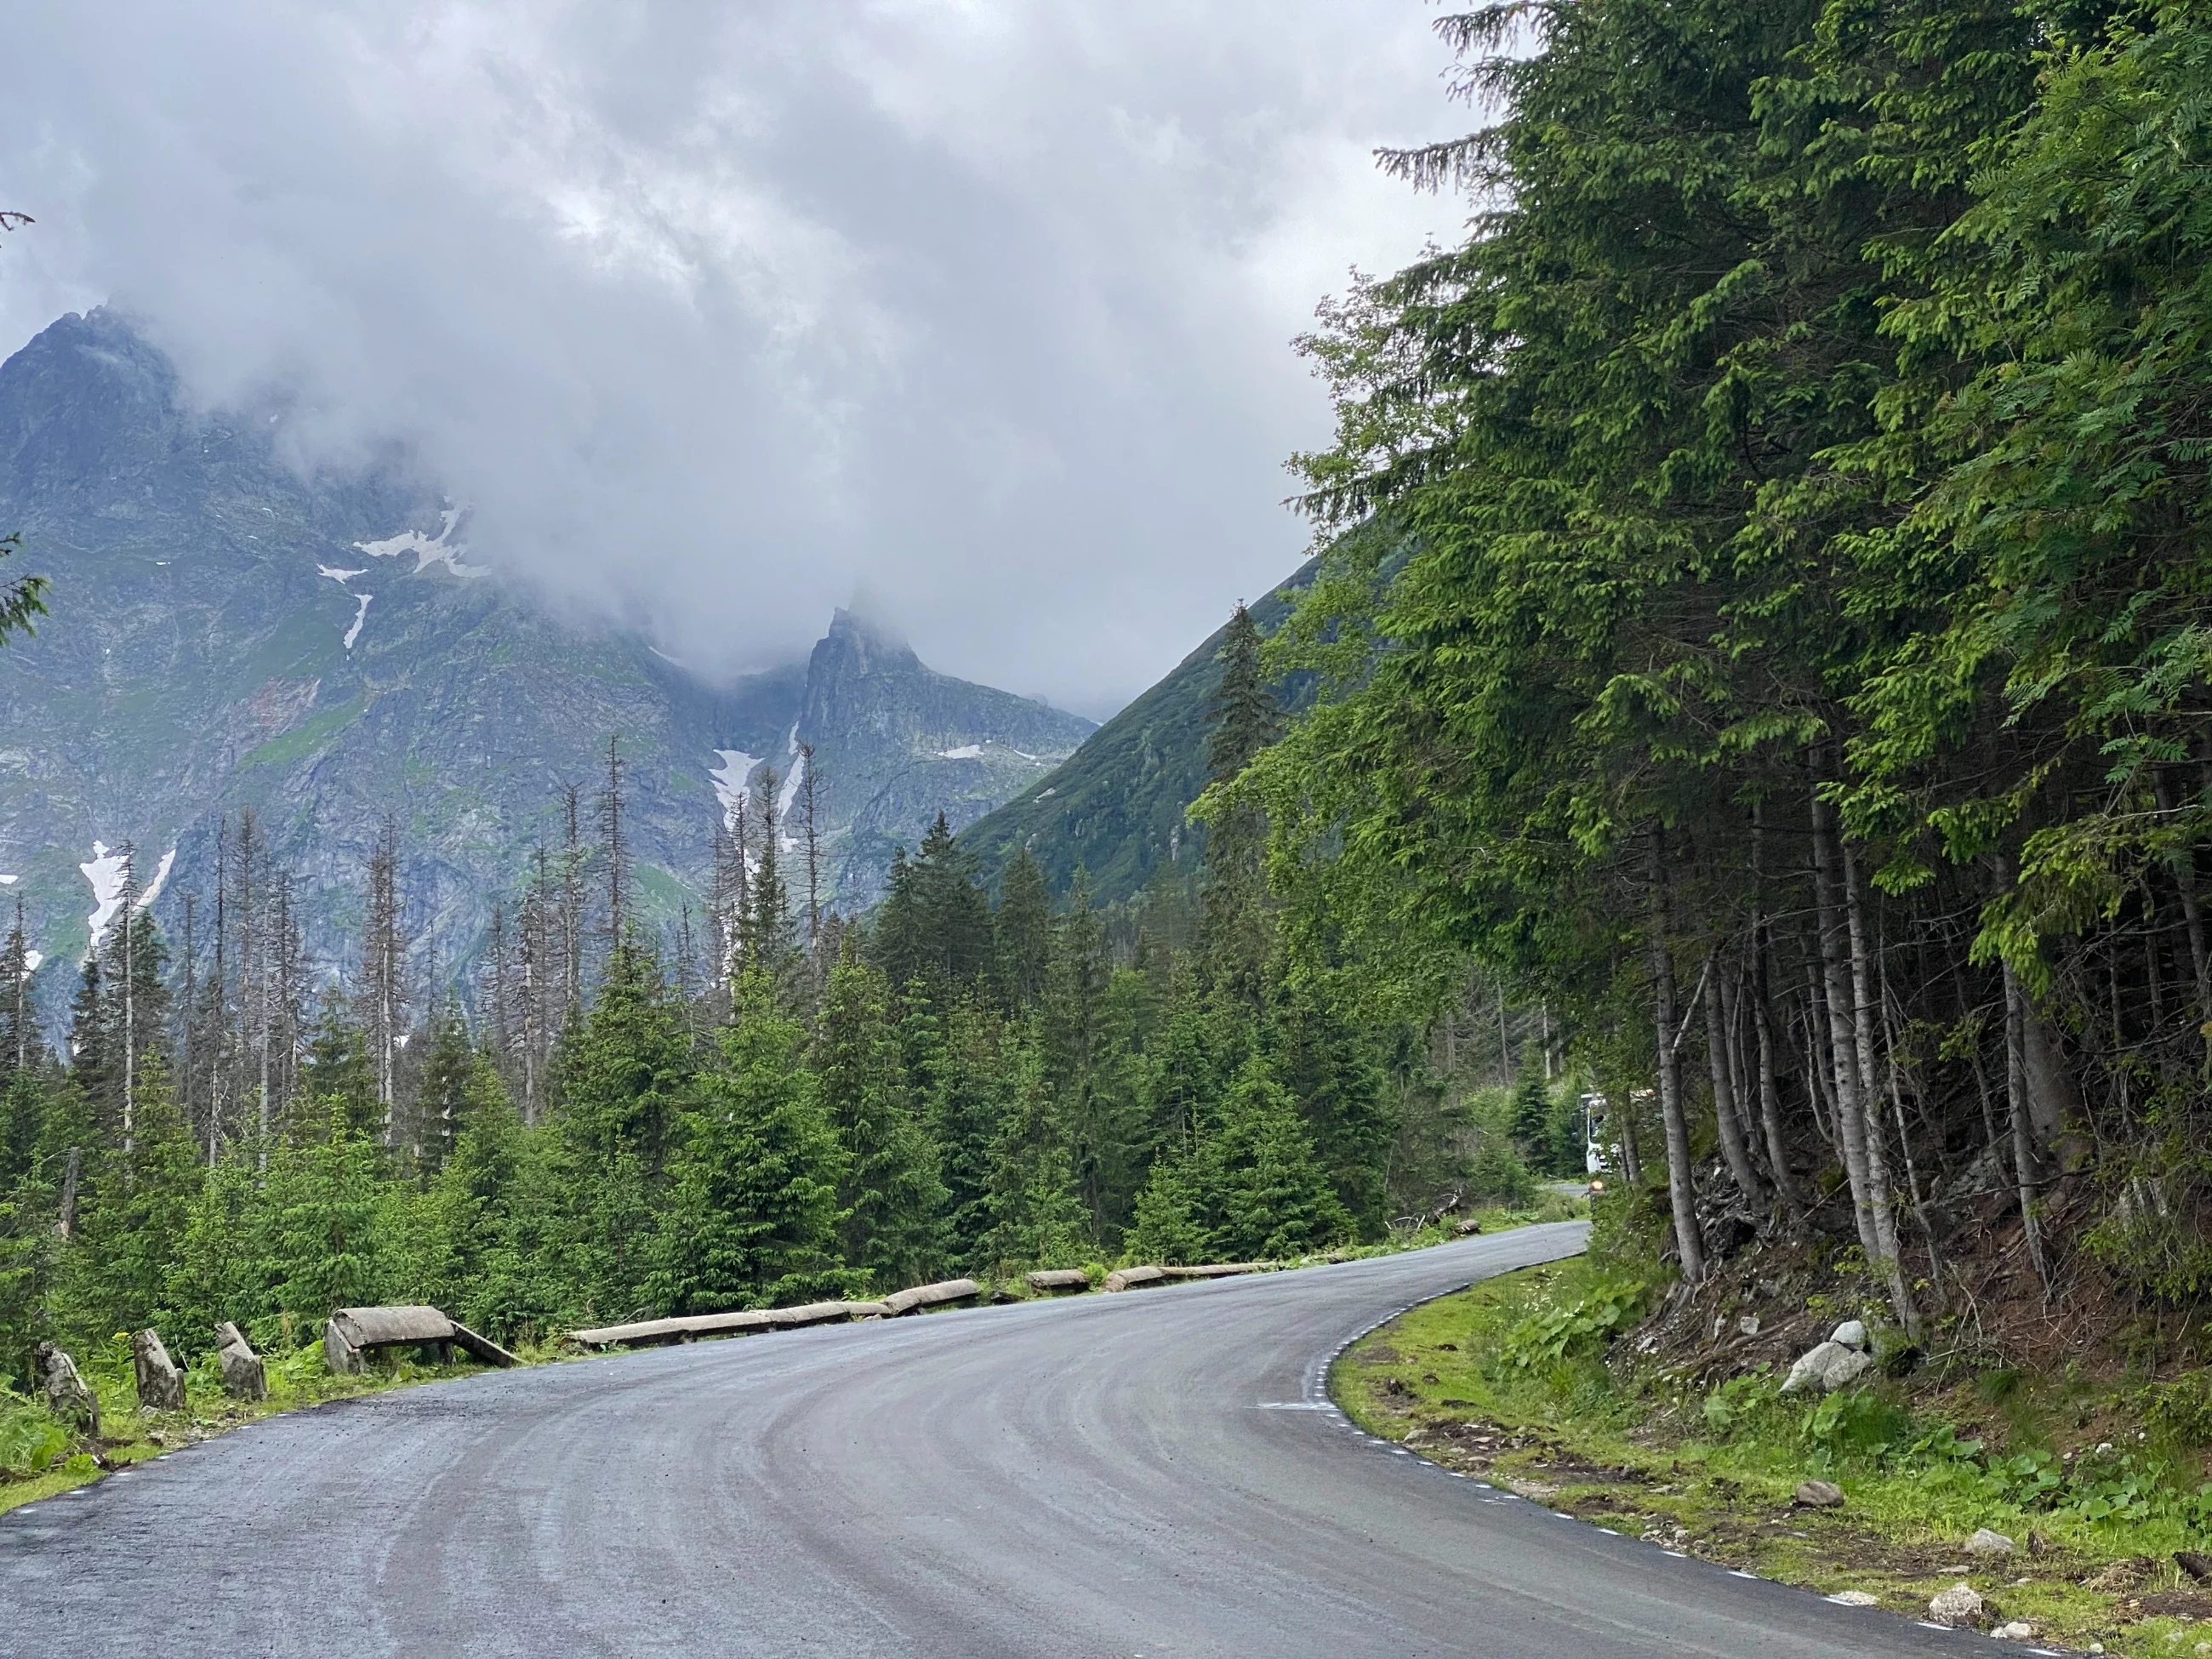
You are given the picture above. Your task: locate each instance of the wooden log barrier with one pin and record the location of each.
(944, 1294)
(1058, 1281)
(1136, 1279)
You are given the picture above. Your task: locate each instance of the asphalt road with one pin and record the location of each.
(1155, 1473)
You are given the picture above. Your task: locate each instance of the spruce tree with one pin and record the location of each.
(1037, 1216)
(1021, 934)
(1271, 1196)
(138, 1205)
(892, 1195)
(1530, 1111)
(955, 1067)
(321, 1244)
(751, 1216)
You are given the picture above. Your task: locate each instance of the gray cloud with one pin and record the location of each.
(717, 314)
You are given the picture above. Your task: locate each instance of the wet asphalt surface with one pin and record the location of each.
(1155, 1473)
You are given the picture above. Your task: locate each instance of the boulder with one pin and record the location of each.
(243, 1378)
(2018, 1630)
(1958, 1607)
(1058, 1281)
(1987, 1543)
(68, 1395)
(1855, 1598)
(1829, 1366)
(161, 1384)
(1818, 1495)
(1852, 1333)
(1468, 1228)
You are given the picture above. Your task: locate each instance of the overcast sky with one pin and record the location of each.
(719, 314)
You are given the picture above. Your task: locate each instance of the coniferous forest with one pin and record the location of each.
(1770, 626)
(605, 1120)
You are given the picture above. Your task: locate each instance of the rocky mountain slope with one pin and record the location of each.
(1115, 809)
(227, 633)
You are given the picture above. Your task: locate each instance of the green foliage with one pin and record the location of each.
(1582, 1326)
(751, 1211)
(31, 1442)
(1270, 1199)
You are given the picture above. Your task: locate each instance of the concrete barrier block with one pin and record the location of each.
(1058, 1281)
(941, 1294)
(1136, 1279)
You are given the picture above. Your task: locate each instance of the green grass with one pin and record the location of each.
(1508, 1380)
(306, 738)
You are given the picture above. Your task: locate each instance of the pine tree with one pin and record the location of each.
(1244, 719)
(624, 1078)
(321, 1247)
(138, 1205)
(1022, 930)
(1170, 1226)
(1531, 1109)
(892, 1196)
(1037, 1216)
(1272, 1197)
(1325, 1056)
(752, 1214)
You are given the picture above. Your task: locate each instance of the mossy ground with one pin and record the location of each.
(1449, 1381)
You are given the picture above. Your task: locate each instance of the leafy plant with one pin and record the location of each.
(1588, 1322)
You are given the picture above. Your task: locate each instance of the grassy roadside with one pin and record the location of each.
(1508, 1380)
(38, 1459)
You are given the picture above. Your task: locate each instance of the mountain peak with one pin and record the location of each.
(857, 643)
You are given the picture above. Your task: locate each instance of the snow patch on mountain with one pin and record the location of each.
(965, 751)
(8, 881)
(729, 781)
(341, 577)
(31, 961)
(359, 617)
(105, 873)
(160, 878)
(440, 549)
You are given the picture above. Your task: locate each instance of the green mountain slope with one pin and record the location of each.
(1115, 808)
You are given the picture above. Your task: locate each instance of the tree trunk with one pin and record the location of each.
(2025, 1163)
(1770, 1093)
(1726, 1117)
(1887, 1261)
(1687, 1239)
(1845, 1095)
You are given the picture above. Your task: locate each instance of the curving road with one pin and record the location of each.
(1153, 1474)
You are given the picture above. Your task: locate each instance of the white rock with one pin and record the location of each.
(1852, 1333)
(1828, 1367)
(2018, 1631)
(1855, 1598)
(1985, 1542)
(1958, 1605)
